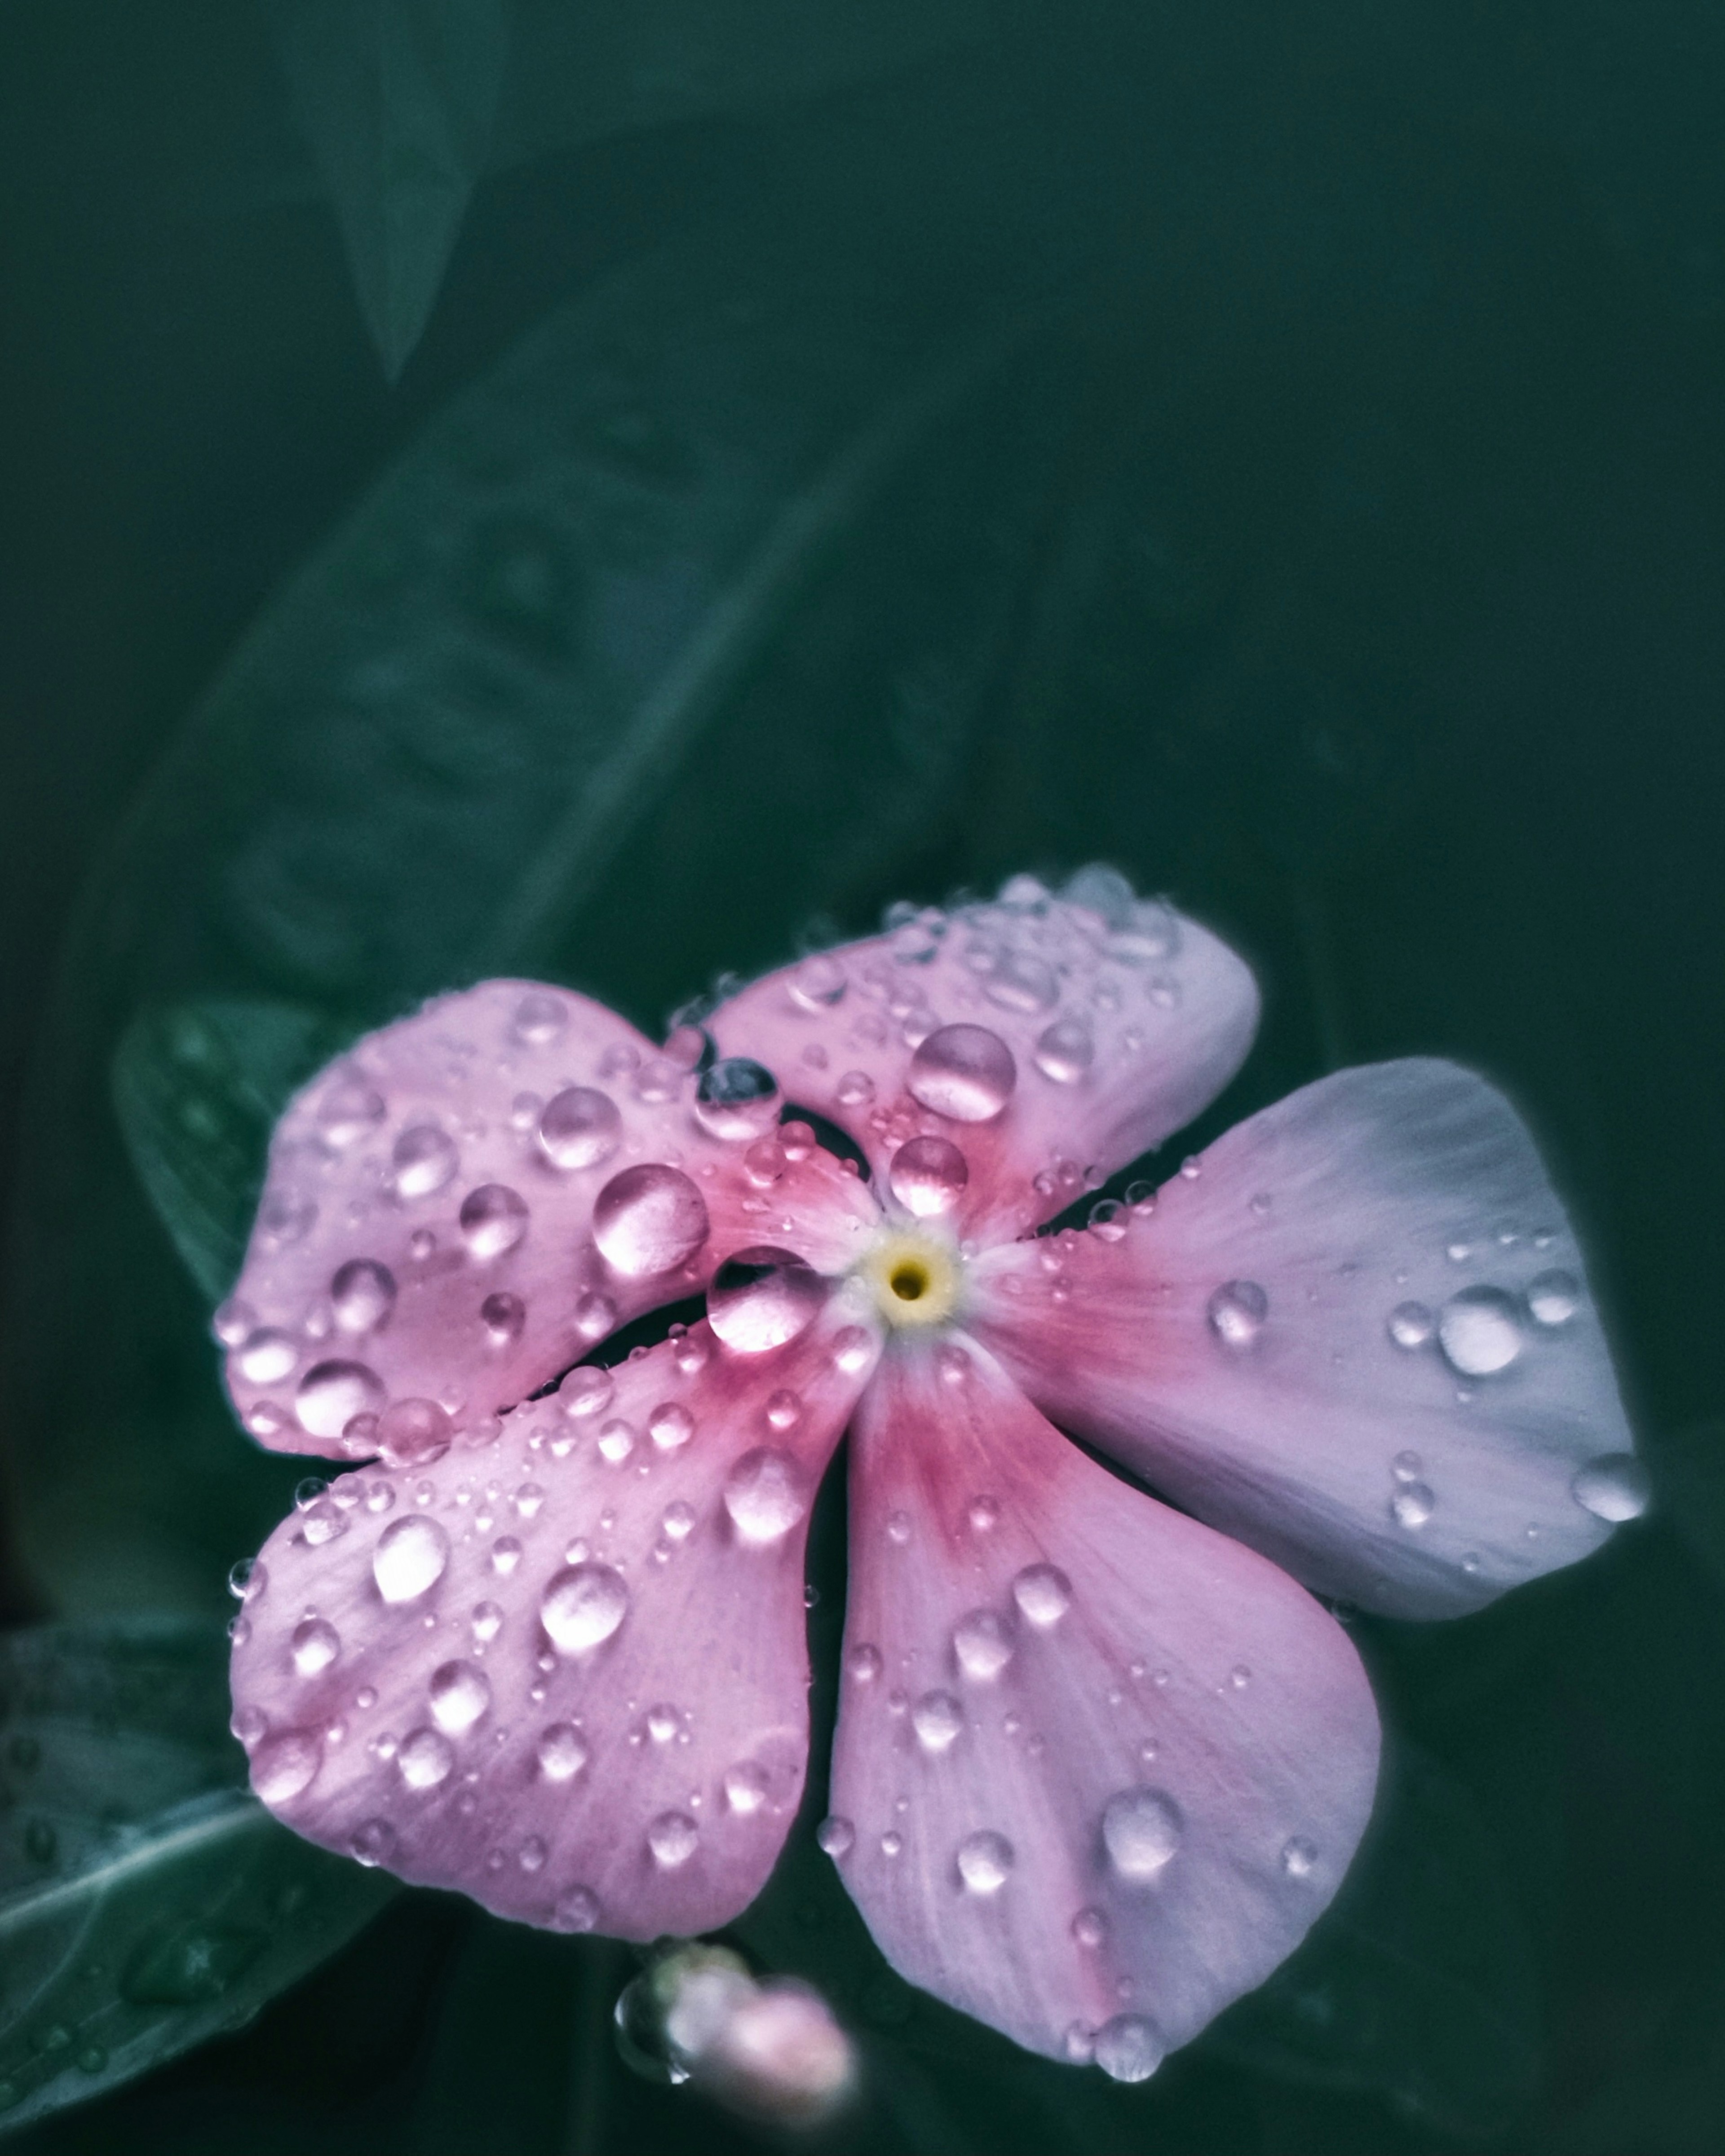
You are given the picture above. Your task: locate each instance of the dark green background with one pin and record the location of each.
(1276, 449)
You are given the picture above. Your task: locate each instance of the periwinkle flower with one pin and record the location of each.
(1100, 1763)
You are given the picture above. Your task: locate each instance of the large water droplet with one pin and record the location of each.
(267, 1355)
(762, 1297)
(424, 1159)
(1129, 2048)
(1141, 1831)
(1043, 1595)
(1065, 1050)
(587, 1390)
(412, 1432)
(331, 1394)
(938, 1720)
(648, 1219)
(314, 1645)
(1236, 1312)
(836, 1836)
(737, 1099)
(582, 1605)
(982, 1644)
(459, 1694)
(1554, 1298)
(964, 1072)
(409, 1557)
(765, 1496)
(283, 1765)
(1479, 1332)
(1612, 1487)
(361, 1295)
(927, 1176)
(1019, 983)
(562, 1751)
(985, 1861)
(673, 1838)
(1411, 1325)
(580, 1127)
(494, 1219)
(424, 1759)
(670, 1425)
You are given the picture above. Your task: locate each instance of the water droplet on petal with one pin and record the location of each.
(864, 1663)
(424, 1759)
(898, 1528)
(1141, 1831)
(938, 1720)
(504, 1317)
(1554, 1298)
(1065, 1050)
(765, 1496)
(1129, 2048)
(459, 1694)
(505, 1555)
(983, 1512)
(736, 1100)
(1298, 1857)
(330, 1394)
(539, 1018)
(673, 1838)
(579, 1127)
(1411, 1325)
(562, 1751)
(409, 1557)
(486, 1622)
(1612, 1487)
(617, 1440)
(964, 1072)
(982, 1644)
(284, 1765)
(762, 1297)
(747, 1788)
(1236, 1312)
(267, 1355)
(648, 1219)
(349, 1111)
(1108, 1222)
(1412, 1505)
(424, 1159)
(853, 1351)
(361, 1295)
(412, 1432)
(1479, 1332)
(373, 1842)
(985, 1861)
(818, 983)
(1090, 1928)
(678, 1519)
(1043, 1595)
(494, 1219)
(582, 1605)
(247, 1578)
(314, 1647)
(576, 1910)
(927, 1176)
(836, 1836)
(670, 1425)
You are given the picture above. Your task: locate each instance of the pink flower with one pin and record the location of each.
(1100, 1763)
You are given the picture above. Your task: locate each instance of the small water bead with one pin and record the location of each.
(239, 1630)
(1043, 1595)
(283, 1217)
(576, 1910)
(1612, 1487)
(331, 1394)
(649, 1220)
(247, 1578)
(1411, 1325)
(539, 1018)
(459, 1694)
(964, 1072)
(485, 1622)
(865, 1664)
(1108, 1220)
(350, 1111)
(855, 1088)
(361, 1295)
(493, 1219)
(232, 1320)
(1065, 1050)
(985, 1860)
(678, 1521)
(835, 1836)
(426, 1757)
(409, 1558)
(1554, 1298)
(314, 1645)
(1019, 983)
(505, 1555)
(817, 984)
(670, 1426)
(983, 1512)
(1479, 1332)
(938, 1720)
(853, 1351)
(982, 1644)
(663, 1723)
(579, 1127)
(412, 1432)
(898, 1528)
(586, 1391)
(283, 1766)
(761, 1298)
(1129, 2048)
(562, 1751)
(783, 1410)
(617, 1440)
(531, 1855)
(422, 1162)
(765, 1496)
(1141, 1829)
(249, 1724)
(1236, 1312)
(1407, 1467)
(736, 1100)
(672, 1838)
(746, 1789)
(266, 1355)
(582, 1605)
(422, 1246)
(1299, 1857)
(891, 1842)
(504, 1317)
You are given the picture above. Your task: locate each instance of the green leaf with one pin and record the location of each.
(147, 1901)
(397, 100)
(197, 1089)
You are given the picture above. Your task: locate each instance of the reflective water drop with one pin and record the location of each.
(267, 1355)
(1412, 1505)
(314, 1645)
(1129, 2048)
(409, 1557)
(1236, 1312)
(1612, 1487)
(1065, 1050)
(505, 1555)
(864, 1663)
(673, 1838)
(532, 1853)
(1141, 1831)
(1080, 2044)
(459, 1694)
(284, 1216)
(1554, 1298)
(663, 1723)
(762, 1297)
(424, 1759)
(373, 1842)
(783, 1410)
(898, 1528)
(736, 1100)
(361, 1295)
(1479, 1332)
(283, 1766)
(247, 1578)
(232, 1320)
(891, 1843)
(1108, 1222)
(423, 1160)
(1017, 982)
(1411, 1325)
(670, 1425)
(331, 1394)
(985, 1861)
(964, 1072)
(927, 1177)
(648, 1219)
(836, 1836)
(582, 1605)
(1298, 1857)
(818, 983)
(617, 1440)
(539, 1018)
(412, 1432)
(982, 1644)
(486, 1622)
(938, 1720)
(562, 1751)
(576, 1910)
(853, 1351)
(349, 1111)
(1090, 1928)
(1407, 1467)
(493, 1219)
(1043, 1595)
(765, 1496)
(747, 1786)
(586, 1391)
(504, 1317)
(579, 1127)
(983, 1512)
(678, 1519)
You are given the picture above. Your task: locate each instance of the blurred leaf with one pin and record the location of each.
(1417, 1985)
(147, 1901)
(397, 100)
(197, 1089)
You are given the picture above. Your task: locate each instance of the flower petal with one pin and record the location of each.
(574, 1687)
(1099, 1767)
(1359, 1338)
(1113, 1022)
(464, 1204)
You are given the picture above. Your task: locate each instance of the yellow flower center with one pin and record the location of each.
(914, 1280)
